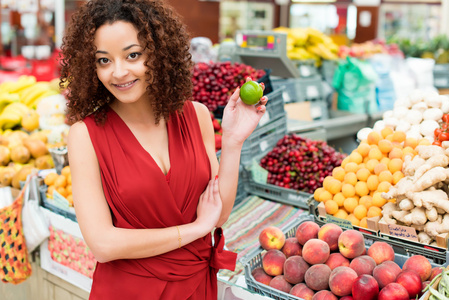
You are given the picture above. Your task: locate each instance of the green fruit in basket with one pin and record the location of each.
(251, 92)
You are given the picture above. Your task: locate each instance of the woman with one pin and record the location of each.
(148, 190)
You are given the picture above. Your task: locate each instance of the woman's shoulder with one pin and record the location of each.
(78, 130)
(201, 110)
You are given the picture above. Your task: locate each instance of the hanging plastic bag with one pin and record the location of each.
(35, 225)
(15, 266)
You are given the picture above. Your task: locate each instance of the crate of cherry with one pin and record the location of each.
(290, 171)
(308, 261)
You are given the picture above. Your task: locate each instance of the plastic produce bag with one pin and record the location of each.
(354, 80)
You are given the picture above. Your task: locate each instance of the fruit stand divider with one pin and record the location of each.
(254, 259)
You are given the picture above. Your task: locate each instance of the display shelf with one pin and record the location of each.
(441, 76)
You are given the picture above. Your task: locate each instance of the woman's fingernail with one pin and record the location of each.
(259, 108)
(216, 177)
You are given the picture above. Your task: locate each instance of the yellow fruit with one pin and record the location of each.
(385, 146)
(411, 142)
(331, 207)
(374, 211)
(30, 120)
(65, 171)
(386, 131)
(355, 157)
(363, 149)
(50, 178)
(61, 190)
(361, 188)
(50, 190)
(324, 196)
(338, 173)
(70, 199)
(395, 165)
(363, 174)
(68, 188)
(379, 168)
(20, 154)
(364, 223)
(69, 179)
(424, 141)
(326, 182)
(371, 164)
(360, 211)
(61, 181)
(399, 136)
(375, 153)
(372, 182)
(350, 204)
(251, 92)
(341, 213)
(334, 186)
(339, 198)
(398, 175)
(385, 161)
(385, 176)
(373, 138)
(353, 219)
(395, 153)
(383, 187)
(317, 193)
(348, 190)
(366, 201)
(345, 161)
(350, 178)
(378, 200)
(351, 167)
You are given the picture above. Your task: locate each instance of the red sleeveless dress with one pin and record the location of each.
(141, 196)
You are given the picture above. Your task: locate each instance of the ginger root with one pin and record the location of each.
(416, 216)
(430, 199)
(440, 160)
(424, 238)
(387, 212)
(435, 228)
(406, 204)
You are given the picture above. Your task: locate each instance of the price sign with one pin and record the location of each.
(340, 222)
(404, 232)
(312, 91)
(265, 119)
(260, 175)
(263, 145)
(60, 201)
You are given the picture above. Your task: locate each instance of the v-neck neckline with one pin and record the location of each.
(167, 176)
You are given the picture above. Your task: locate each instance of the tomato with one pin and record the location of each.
(437, 131)
(444, 136)
(437, 143)
(444, 126)
(445, 118)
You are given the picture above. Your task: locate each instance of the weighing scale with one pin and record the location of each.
(265, 50)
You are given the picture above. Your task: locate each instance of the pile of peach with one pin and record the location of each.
(327, 263)
(61, 183)
(353, 192)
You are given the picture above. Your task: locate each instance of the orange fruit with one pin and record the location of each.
(361, 188)
(386, 131)
(62, 191)
(351, 167)
(411, 142)
(324, 196)
(375, 153)
(61, 181)
(317, 193)
(353, 219)
(363, 149)
(339, 198)
(395, 165)
(350, 178)
(50, 190)
(348, 190)
(70, 200)
(424, 141)
(399, 136)
(350, 204)
(69, 179)
(251, 92)
(371, 164)
(355, 157)
(363, 174)
(383, 186)
(338, 173)
(378, 200)
(334, 186)
(360, 211)
(68, 188)
(395, 153)
(331, 207)
(367, 201)
(341, 213)
(374, 211)
(65, 171)
(386, 176)
(398, 175)
(344, 162)
(326, 182)
(379, 168)
(50, 178)
(385, 160)
(373, 138)
(364, 223)
(372, 182)
(385, 146)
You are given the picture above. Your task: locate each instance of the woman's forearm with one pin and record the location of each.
(228, 174)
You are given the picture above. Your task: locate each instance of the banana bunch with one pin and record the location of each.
(26, 90)
(309, 44)
(12, 115)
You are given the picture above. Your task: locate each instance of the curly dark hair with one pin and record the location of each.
(165, 41)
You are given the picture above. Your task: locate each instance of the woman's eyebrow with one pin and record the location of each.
(124, 49)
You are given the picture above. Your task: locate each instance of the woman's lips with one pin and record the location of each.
(125, 86)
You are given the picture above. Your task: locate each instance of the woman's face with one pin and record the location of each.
(120, 61)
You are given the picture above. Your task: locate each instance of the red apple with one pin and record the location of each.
(393, 291)
(411, 281)
(420, 264)
(365, 287)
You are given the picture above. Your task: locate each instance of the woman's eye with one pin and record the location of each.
(103, 61)
(134, 55)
